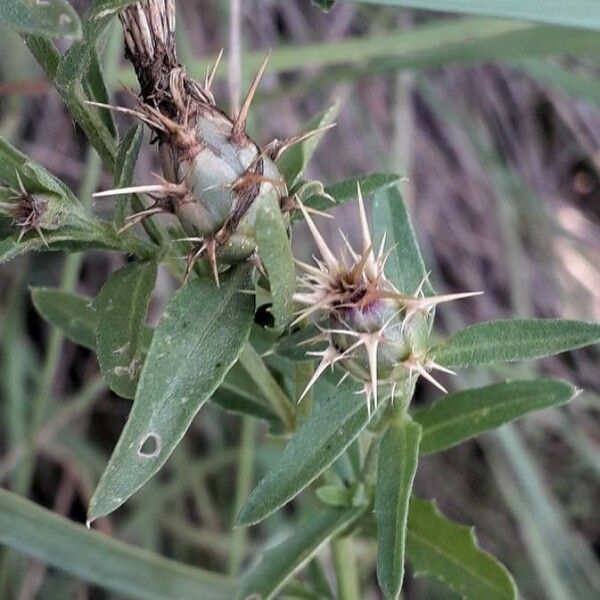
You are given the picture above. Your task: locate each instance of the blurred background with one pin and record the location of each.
(496, 126)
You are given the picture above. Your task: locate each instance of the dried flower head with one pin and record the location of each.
(375, 333)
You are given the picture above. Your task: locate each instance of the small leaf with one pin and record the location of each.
(104, 561)
(346, 191)
(461, 416)
(127, 157)
(295, 346)
(511, 340)
(278, 565)
(398, 459)
(74, 315)
(121, 308)
(439, 548)
(198, 339)
(334, 495)
(405, 266)
(275, 253)
(294, 160)
(319, 441)
(324, 5)
(52, 18)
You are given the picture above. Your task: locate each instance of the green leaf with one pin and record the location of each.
(461, 416)
(101, 560)
(397, 465)
(52, 18)
(575, 13)
(439, 548)
(345, 191)
(324, 5)
(334, 495)
(275, 253)
(74, 315)
(198, 339)
(319, 441)
(278, 565)
(512, 340)
(241, 395)
(127, 157)
(405, 266)
(295, 346)
(294, 160)
(122, 335)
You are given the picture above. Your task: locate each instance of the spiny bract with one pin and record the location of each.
(374, 332)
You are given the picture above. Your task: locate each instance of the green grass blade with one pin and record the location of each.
(319, 441)
(514, 339)
(198, 339)
(52, 18)
(275, 252)
(278, 564)
(98, 559)
(73, 314)
(461, 416)
(575, 13)
(396, 469)
(121, 333)
(439, 548)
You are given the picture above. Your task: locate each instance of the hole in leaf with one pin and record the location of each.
(149, 446)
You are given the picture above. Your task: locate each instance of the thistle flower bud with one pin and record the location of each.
(38, 211)
(376, 334)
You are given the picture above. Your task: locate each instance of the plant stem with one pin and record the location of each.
(244, 482)
(346, 572)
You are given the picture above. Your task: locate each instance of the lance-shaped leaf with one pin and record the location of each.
(278, 564)
(101, 560)
(405, 266)
(398, 459)
(127, 156)
(461, 416)
(294, 160)
(439, 548)
(319, 441)
(198, 339)
(275, 253)
(52, 18)
(346, 191)
(74, 315)
(122, 335)
(511, 340)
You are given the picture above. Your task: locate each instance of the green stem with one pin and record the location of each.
(346, 571)
(244, 482)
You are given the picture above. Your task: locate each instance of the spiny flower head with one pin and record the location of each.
(375, 333)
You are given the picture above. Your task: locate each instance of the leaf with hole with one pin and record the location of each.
(198, 339)
(514, 339)
(279, 564)
(448, 551)
(275, 253)
(396, 469)
(122, 335)
(463, 415)
(319, 441)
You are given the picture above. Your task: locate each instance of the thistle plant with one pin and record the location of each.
(325, 354)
